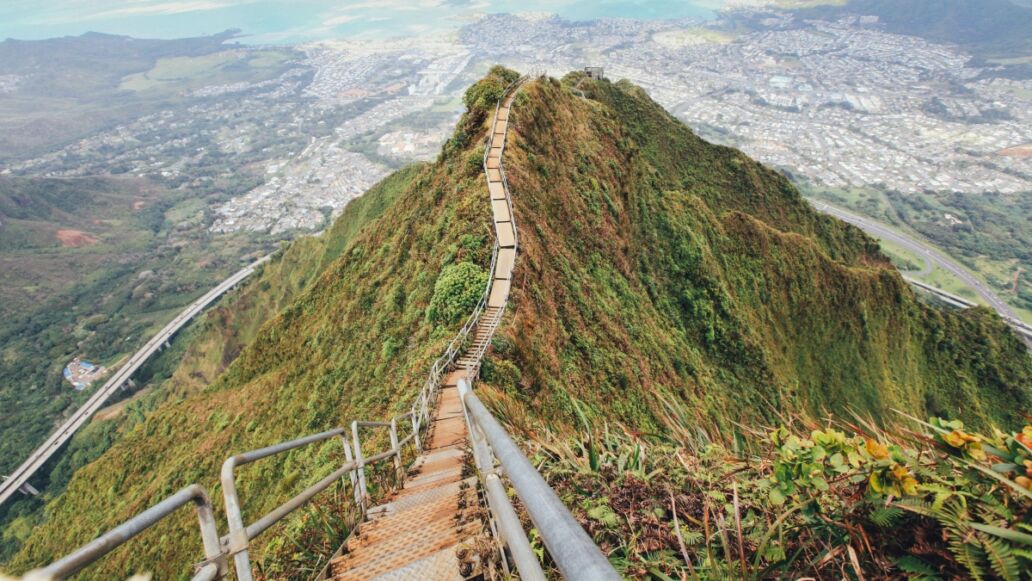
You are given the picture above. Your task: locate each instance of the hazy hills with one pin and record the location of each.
(988, 28)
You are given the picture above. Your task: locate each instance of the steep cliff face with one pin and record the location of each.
(653, 262)
(652, 265)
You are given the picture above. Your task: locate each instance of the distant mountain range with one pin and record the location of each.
(988, 28)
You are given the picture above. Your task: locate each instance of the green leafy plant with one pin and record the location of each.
(456, 292)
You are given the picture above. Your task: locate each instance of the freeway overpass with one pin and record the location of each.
(931, 256)
(1022, 329)
(922, 250)
(19, 479)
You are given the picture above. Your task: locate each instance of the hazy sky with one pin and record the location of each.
(297, 20)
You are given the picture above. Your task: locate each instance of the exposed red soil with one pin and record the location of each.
(1019, 151)
(76, 238)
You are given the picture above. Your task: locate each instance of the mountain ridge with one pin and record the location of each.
(653, 266)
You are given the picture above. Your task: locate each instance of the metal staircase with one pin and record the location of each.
(434, 526)
(427, 530)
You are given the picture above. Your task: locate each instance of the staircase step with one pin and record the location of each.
(409, 499)
(443, 565)
(400, 550)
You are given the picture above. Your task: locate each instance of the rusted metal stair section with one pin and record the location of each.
(432, 528)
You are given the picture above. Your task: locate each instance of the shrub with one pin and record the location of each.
(456, 292)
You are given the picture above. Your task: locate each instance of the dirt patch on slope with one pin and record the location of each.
(76, 238)
(1019, 151)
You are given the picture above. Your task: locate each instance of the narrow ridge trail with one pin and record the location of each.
(431, 528)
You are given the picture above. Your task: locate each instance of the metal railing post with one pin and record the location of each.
(362, 490)
(398, 471)
(415, 430)
(236, 543)
(213, 566)
(349, 458)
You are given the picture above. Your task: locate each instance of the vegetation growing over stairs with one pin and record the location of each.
(654, 268)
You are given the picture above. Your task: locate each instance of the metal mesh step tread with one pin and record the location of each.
(399, 550)
(418, 497)
(441, 565)
(439, 512)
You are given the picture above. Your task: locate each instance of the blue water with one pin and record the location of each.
(291, 21)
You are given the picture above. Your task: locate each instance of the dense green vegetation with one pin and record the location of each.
(198, 355)
(654, 261)
(837, 500)
(657, 274)
(134, 255)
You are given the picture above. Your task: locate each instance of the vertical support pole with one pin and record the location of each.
(415, 430)
(397, 450)
(362, 490)
(349, 457)
(424, 396)
(210, 535)
(238, 541)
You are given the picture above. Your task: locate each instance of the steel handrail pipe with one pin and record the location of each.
(261, 525)
(574, 552)
(362, 462)
(212, 567)
(237, 541)
(371, 424)
(511, 530)
(508, 524)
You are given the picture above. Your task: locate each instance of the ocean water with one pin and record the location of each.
(292, 21)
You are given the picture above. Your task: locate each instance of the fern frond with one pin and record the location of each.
(692, 538)
(886, 516)
(969, 556)
(917, 568)
(1025, 554)
(916, 505)
(1001, 558)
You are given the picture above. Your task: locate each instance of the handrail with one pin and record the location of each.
(213, 567)
(574, 552)
(240, 536)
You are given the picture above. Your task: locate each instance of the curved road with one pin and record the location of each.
(925, 252)
(52, 444)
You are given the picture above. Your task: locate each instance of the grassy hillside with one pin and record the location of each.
(657, 273)
(353, 344)
(653, 262)
(200, 353)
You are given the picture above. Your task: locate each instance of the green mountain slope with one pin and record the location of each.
(653, 261)
(653, 266)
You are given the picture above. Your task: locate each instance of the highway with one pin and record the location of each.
(925, 252)
(96, 401)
